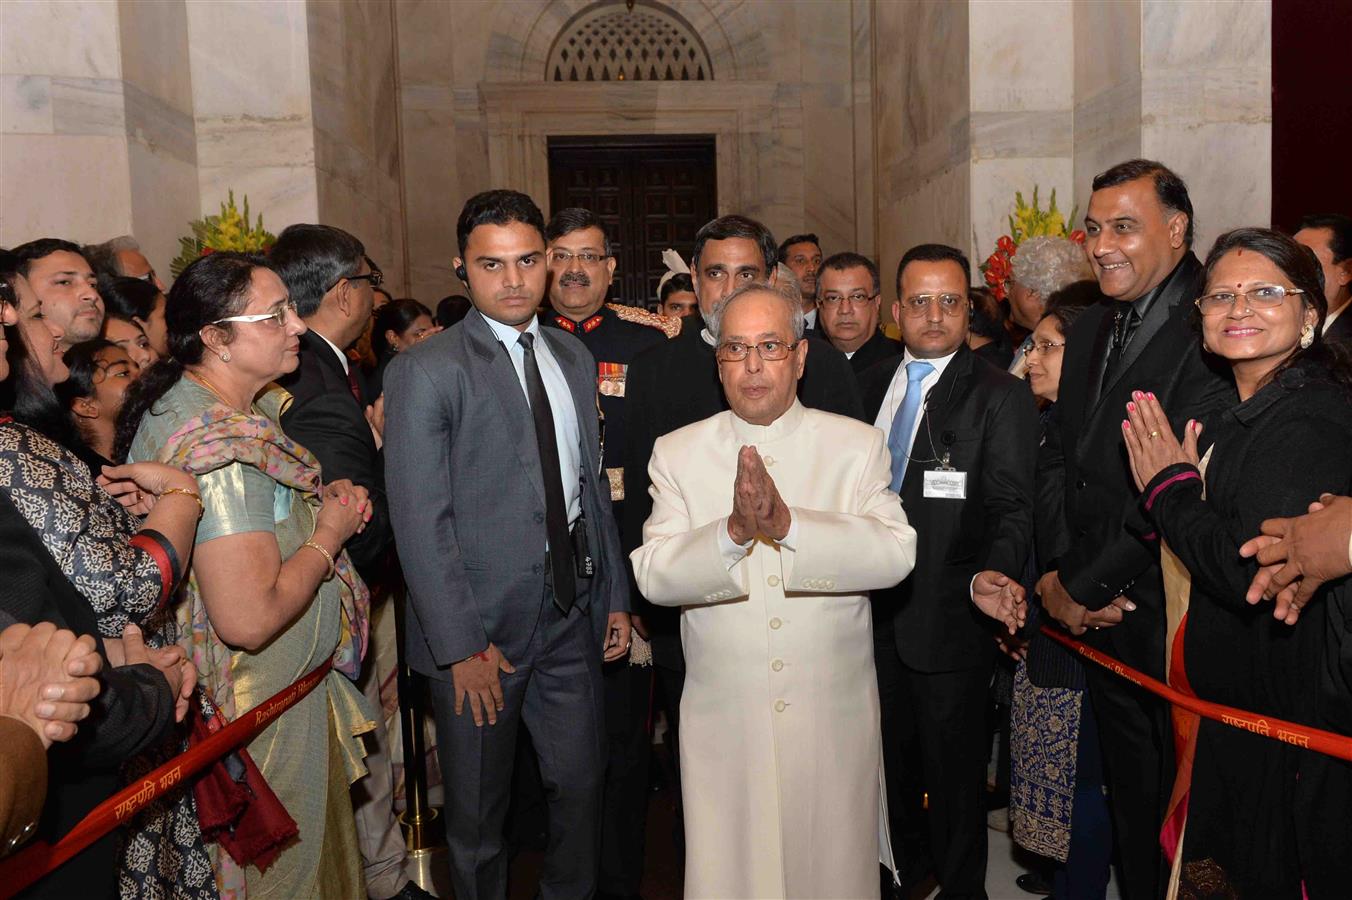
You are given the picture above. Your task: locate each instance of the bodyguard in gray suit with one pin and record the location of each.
(516, 582)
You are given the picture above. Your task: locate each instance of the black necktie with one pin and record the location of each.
(1124, 325)
(556, 509)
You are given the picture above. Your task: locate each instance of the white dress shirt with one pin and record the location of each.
(566, 431)
(810, 318)
(1333, 317)
(342, 357)
(896, 390)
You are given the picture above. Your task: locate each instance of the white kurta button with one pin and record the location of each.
(780, 705)
(773, 581)
(777, 665)
(775, 623)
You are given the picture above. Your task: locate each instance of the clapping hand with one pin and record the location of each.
(1150, 440)
(1000, 597)
(757, 507)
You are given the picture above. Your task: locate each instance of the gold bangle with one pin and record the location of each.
(327, 556)
(201, 507)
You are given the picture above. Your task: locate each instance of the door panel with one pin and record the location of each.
(649, 193)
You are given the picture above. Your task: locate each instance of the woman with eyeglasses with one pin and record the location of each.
(270, 595)
(1057, 809)
(70, 553)
(1259, 817)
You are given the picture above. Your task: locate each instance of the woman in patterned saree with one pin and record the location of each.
(270, 594)
(74, 556)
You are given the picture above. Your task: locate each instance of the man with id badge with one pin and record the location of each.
(963, 439)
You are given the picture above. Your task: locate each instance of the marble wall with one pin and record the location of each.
(1022, 97)
(877, 123)
(922, 140)
(1206, 106)
(137, 117)
(63, 123)
(1188, 84)
(356, 126)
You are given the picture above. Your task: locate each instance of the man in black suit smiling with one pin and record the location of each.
(963, 438)
(1106, 584)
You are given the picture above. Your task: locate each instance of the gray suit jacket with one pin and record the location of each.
(467, 499)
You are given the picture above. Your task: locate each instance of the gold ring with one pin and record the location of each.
(1154, 434)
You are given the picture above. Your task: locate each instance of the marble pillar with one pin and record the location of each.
(63, 123)
(252, 104)
(1022, 97)
(356, 132)
(922, 137)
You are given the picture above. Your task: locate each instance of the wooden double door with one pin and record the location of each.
(650, 193)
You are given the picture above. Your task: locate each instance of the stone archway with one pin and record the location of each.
(736, 102)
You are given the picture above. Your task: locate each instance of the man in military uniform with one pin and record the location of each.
(580, 270)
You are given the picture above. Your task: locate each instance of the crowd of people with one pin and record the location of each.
(834, 562)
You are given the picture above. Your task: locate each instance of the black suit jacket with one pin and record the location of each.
(1341, 329)
(133, 712)
(328, 421)
(873, 351)
(1084, 464)
(986, 421)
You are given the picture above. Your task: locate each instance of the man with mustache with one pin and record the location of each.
(517, 590)
(963, 437)
(580, 269)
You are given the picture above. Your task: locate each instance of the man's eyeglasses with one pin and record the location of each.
(1268, 296)
(278, 316)
(858, 298)
(951, 304)
(375, 276)
(586, 257)
(769, 351)
(1043, 347)
(148, 277)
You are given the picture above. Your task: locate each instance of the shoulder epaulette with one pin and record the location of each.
(668, 325)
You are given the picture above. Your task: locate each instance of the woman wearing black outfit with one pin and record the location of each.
(71, 555)
(1249, 826)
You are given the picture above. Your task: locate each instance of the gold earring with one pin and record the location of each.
(1306, 336)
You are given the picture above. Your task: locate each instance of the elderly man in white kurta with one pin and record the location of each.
(770, 525)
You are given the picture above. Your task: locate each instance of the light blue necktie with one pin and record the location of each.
(899, 439)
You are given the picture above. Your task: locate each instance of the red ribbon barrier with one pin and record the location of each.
(40, 858)
(1325, 742)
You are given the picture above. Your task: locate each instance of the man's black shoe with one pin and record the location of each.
(411, 891)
